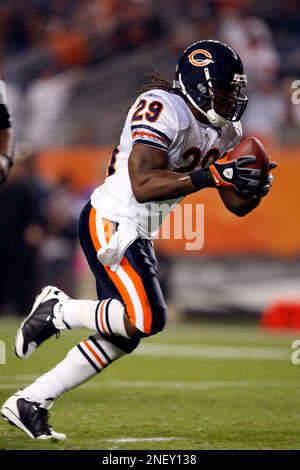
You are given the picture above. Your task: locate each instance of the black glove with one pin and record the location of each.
(234, 174)
(265, 189)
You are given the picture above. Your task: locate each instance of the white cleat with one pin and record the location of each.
(44, 320)
(30, 417)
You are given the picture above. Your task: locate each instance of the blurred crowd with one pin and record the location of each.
(48, 47)
(77, 32)
(57, 41)
(38, 236)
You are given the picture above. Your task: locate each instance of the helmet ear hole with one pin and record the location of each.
(194, 86)
(202, 89)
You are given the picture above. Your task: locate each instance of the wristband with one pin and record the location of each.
(202, 179)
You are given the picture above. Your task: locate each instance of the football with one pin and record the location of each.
(252, 146)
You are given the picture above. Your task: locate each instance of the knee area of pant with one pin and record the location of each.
(158, 324)
(160, 320)
(132, 331)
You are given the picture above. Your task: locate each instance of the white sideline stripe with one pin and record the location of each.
(190, 385)
(171, 385)
(213, 352)
(143, 439)
(196, 352)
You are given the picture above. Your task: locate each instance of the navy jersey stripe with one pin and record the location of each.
(150, 143)
(161, 134)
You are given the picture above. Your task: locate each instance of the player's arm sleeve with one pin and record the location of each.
(154, 122)
(5, 118)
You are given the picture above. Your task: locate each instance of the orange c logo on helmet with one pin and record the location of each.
(202, 61)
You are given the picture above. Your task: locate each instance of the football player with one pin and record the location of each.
(6, 140)
(171, 144)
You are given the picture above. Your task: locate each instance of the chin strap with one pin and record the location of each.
(214, 118)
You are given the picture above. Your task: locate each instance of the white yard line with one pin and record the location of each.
(209, 385)
(142, 439)
(179, 351)
(213, 352)
(170, 385)
(195, 352)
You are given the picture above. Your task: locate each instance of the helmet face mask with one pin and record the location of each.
(210, 75)
(228, 101)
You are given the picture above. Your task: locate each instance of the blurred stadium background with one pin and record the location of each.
(71, 69)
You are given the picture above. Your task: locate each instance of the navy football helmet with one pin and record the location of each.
(210, 75)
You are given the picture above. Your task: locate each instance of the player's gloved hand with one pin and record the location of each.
(5, 164)
(265, 189)
(234, 174)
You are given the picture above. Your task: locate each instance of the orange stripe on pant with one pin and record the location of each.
(131, 273)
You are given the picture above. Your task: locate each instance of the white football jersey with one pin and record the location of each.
(162, 120)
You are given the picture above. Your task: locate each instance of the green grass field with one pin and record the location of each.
(197, 386)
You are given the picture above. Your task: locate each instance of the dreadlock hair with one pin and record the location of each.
(157, 81)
